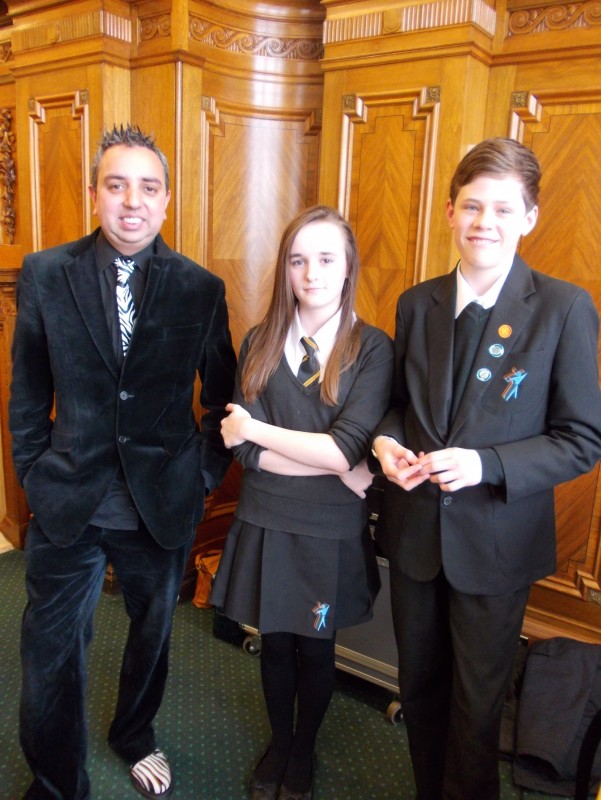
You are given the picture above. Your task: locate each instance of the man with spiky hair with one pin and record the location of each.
(111, 332)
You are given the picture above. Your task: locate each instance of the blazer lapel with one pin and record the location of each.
(159, 266)
(439, 333)
(82, 275)
(507, 320)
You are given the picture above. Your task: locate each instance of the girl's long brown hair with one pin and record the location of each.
(267, 341)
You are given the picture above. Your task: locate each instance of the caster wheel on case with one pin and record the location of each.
(394, 712)
(252, 645)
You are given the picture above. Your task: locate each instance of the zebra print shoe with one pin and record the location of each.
(151, 776)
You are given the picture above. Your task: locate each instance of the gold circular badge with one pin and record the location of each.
(505, 331)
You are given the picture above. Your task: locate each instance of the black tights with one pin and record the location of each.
(301, 670)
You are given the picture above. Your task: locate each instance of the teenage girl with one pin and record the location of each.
(298, 562)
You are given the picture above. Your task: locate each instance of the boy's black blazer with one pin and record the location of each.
(75, 416)
(493, 539)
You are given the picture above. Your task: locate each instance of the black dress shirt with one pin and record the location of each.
(116, 509)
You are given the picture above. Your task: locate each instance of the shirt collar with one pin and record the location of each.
(324, 338)
(466, 295)
(106, 254)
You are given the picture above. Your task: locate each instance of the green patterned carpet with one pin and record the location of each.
(212, 723)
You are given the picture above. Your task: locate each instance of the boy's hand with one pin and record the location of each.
(452, 468)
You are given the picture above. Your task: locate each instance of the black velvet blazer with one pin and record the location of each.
(74, 415)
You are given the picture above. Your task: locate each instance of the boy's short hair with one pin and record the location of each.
(502, 157)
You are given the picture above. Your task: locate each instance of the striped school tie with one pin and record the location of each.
(125, 302)
(309, 369)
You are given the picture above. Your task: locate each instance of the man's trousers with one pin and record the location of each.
(63, 586)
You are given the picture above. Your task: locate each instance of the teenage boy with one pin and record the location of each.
(496, 401)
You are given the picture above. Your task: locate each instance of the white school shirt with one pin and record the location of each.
(466, 295)
(324, 339)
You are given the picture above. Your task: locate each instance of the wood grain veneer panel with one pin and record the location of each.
(387, 156)
(59, 158)
(260, 173)
(564, 130)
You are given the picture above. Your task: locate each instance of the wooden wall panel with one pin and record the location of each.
(153, 87)
(564, 130)
(261, 172)
(387, 157)
(60, 172)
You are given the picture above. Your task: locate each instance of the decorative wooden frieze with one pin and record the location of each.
(7, 174)
(406, 19)
(157, 27)
(96, 23)
(243, 42)
(556, 17)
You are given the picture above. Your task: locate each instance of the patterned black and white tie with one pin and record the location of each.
(125, 302)
(309, 369)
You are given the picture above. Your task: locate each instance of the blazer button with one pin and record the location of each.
(446, 500)
(124, 395)
(123, 439)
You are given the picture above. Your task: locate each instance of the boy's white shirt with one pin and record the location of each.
(466, 295)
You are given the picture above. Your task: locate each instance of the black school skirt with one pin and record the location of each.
(277, 581)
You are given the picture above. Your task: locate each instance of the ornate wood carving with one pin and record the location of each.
(69, 29)
(155, 27)
(404, 19)
(556, 17)
(7, 174)
(238, 41)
